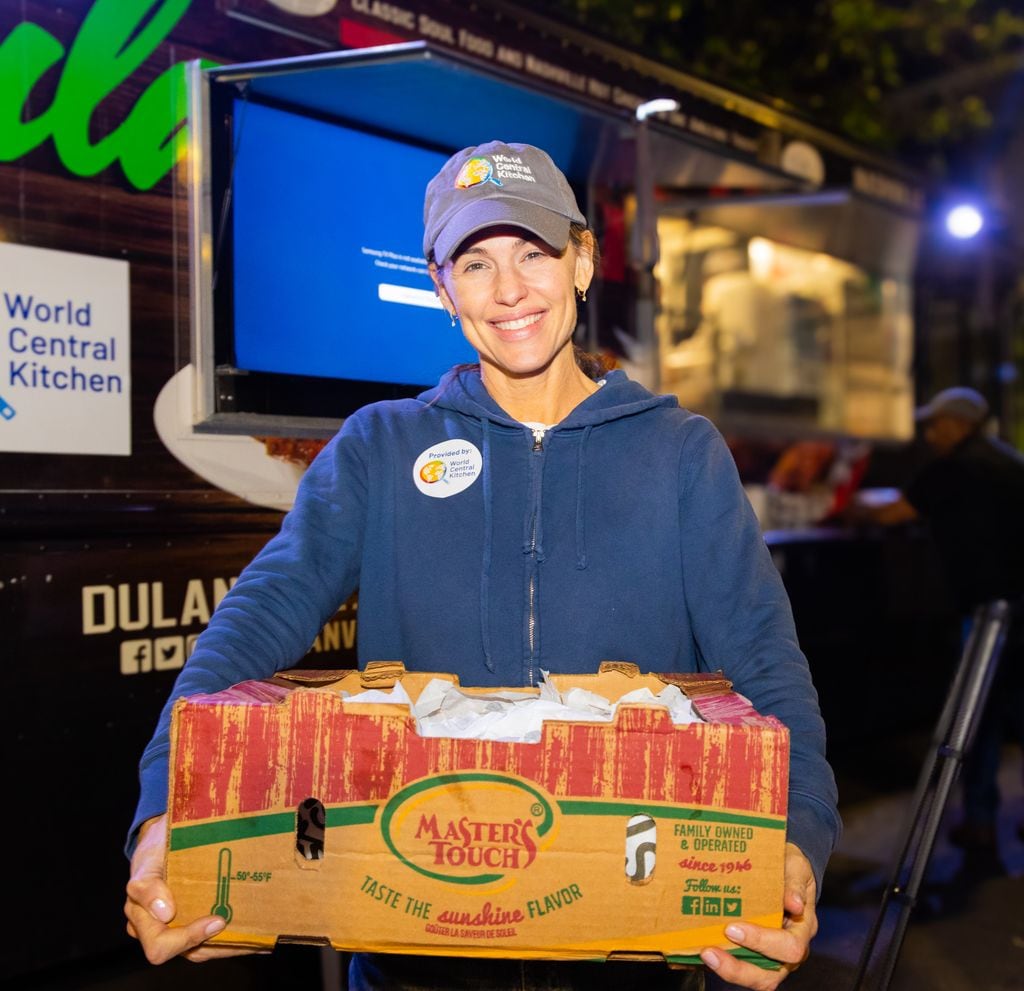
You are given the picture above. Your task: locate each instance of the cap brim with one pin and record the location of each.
(552, 228)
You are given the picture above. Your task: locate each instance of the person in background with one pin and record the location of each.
(591, 520)
(971, 495)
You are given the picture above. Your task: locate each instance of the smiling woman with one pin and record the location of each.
(528, 514)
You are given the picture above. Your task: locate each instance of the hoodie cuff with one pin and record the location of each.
(153, 800)
(815, 829)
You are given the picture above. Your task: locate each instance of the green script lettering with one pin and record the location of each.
(115, 38)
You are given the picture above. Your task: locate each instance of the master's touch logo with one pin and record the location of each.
(447, 468)
(472, 827)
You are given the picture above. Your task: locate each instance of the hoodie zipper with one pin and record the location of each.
(531, 615)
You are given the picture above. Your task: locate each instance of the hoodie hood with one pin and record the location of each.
(462, 390)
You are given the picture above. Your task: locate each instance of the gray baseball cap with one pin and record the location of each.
(493, 184)
(960, 401)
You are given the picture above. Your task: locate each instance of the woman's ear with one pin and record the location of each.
(441, 290)
(584, 272)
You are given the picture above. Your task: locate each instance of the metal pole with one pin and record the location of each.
(953, 737)
(645, 238)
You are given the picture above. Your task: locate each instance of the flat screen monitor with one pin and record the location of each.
(322, 297)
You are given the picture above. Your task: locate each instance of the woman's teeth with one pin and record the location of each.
(517, 324)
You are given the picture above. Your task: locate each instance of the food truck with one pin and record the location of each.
(209, 209)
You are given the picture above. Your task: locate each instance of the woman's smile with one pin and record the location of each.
(517, 327)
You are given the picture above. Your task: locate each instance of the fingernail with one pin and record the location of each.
(215, 927)
(159, 910)
(735, 933)
(800, 899)
(711, 959)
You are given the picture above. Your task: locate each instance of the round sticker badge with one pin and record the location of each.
(446, 469)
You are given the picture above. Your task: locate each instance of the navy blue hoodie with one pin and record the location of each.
(483, 549)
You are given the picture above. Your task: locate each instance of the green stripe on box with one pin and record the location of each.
(248, 827)
(587, 807)
(693, 960)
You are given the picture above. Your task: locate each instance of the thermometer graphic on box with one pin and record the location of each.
(6, 409)
(222, 906)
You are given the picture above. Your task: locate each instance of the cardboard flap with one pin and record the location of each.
(642, 717)
(612, 681)
(311, 676)
(628, 668)
(696, 684)
(381, 674)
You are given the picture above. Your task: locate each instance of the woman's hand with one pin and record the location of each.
(790, 945)
(150, 908)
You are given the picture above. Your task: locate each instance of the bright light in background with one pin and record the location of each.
(964, 221)
(761, 257)
(659, 106)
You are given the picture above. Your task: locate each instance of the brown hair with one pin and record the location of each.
(594, 366)
(578, 236)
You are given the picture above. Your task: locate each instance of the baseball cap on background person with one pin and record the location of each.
(492, 184)
(960, 402)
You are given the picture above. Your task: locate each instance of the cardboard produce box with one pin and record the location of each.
(299, 817)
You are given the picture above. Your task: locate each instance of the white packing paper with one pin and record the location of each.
(444, 710)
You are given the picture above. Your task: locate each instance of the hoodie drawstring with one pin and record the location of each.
(485, 577)
(581, 532)
(538, 524)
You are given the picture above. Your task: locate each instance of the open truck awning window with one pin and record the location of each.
(407, 105)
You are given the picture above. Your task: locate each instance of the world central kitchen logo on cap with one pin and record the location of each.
(471, 827)
(474, 172)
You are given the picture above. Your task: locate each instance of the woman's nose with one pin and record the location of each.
(509, 286)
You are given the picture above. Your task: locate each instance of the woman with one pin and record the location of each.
(523, 515)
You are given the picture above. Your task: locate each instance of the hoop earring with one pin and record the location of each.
(582, 293)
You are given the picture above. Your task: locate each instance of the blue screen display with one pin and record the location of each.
(329, 275)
